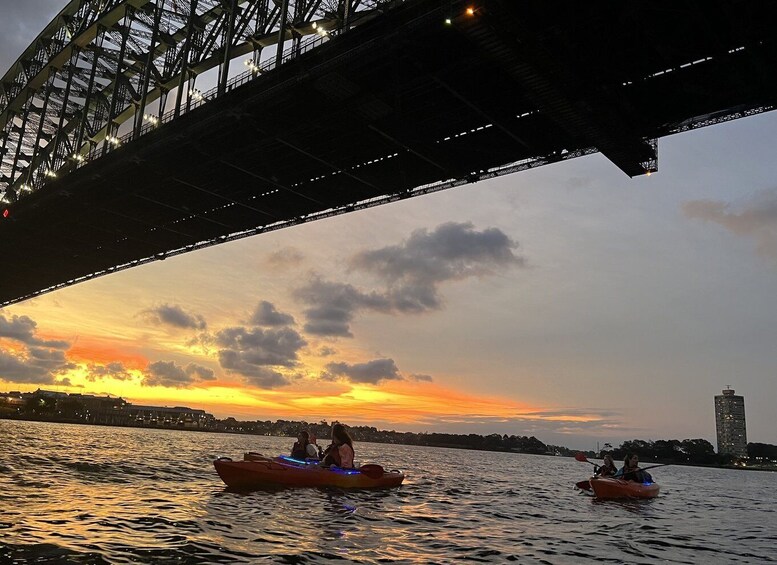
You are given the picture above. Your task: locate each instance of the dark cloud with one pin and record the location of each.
(175, 316)
(372, 372)
(333, 306)
(51, 359)
(286, 257)
(115, 370)
(326, 351)
(38, 366)
(756, 220)
(36, 360)
(253, 353)
(19, 328)
(411, 274)
(266, 315)
(453, 251)
(253, 373)
(262, 347)
(420, 377)
(168, 374)
(22, 329)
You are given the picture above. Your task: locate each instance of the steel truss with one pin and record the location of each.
(106, 66)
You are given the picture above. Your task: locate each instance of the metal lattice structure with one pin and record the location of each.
(111, 157)
(103, 67)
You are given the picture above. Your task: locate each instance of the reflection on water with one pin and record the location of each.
(88, 494)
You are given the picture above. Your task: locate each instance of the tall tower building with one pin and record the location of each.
(730, 423)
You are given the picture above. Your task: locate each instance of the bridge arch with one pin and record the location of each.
(103, 68)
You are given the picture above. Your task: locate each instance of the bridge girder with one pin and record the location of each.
(422, 98)
(101, 63)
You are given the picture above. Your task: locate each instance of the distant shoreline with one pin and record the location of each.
(444, 446)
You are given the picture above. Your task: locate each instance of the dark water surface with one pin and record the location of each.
(89, 494)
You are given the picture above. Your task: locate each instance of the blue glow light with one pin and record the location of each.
(298, 461)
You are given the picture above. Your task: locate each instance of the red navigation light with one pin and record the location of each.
(5, 213)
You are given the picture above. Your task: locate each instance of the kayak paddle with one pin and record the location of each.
(654, 466)
(583, 485)
(580, 456)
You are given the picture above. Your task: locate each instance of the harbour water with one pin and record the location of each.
(92, 494)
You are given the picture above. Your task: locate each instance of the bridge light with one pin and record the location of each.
(470, 11)
(314, 25)
(112, 140)
(252, 66)
(447, 21)
(77, 157)
(6, 213)
(51, 174)
(153, 120)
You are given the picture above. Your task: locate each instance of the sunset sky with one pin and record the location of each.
(568, 302)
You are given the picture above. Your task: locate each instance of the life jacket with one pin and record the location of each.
(637, 475)
(606, 471)
(299, 451)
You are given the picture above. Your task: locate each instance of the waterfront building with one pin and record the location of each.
(162, 416)
(49, 405)
(730, 423)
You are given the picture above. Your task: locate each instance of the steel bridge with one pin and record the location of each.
(113, 154)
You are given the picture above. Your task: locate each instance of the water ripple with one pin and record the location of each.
(85, 494)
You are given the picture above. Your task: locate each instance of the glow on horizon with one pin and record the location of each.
(413, 404)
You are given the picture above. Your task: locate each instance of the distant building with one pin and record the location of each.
(730, 423)
(49, 405)
(179, 416)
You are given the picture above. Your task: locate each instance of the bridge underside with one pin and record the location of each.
(401, 102)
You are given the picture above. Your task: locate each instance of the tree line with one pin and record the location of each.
(687, 451)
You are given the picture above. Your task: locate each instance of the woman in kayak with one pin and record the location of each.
(302, 448)
(340, 452)
(608, 469)
(632, 472)
(314, 444)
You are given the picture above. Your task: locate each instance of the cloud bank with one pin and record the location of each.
(371, 372)
(28, 358)
(410, 275)
(169, 374)
(175, 316)
(756, 220)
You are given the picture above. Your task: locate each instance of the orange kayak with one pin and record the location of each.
(257, 471)
(617, 488)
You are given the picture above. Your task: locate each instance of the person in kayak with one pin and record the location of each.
(631, 470)
(340, 452)
(314, 443)
(302, 448)
(608, 469)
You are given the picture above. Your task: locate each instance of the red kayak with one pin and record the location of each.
(609, 487)
(257, 471)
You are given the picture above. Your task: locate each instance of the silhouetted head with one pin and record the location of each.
(340, 435)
